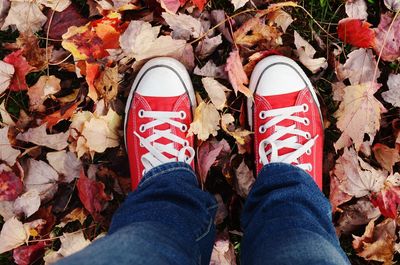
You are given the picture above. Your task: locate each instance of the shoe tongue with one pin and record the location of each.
(284, 101)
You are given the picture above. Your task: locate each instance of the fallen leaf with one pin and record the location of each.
(336, 196)
(356, 9)
(72, 243)
(25, 15)
(208, 153)
(360, 67)
(40, 137)
(65, 163)
(7, 152)
(378, 242)
(393, 95)
(393, 5)
(26, 255)
(6, 74)
(21, 67)
(11, 185)
(356, 32)
(183, 26)
(356, 177)
(170, 6)
(306, 55)
(238, 133)
(388, 198)
(223, 253)
(200, 3)
(28, 203)
(237, 76)
(107, 83)
(92, 195)
(4, 7)
(7, 210)
(77, 214)
(56, 5)
(358, 114)
(45, 86)
(222, 211)
(207, 46)
(205, 122)
(388, 39)
(12, 235)
(60, 115)
(211, 70)
(386, 156)
(244, 179)
(238, 3)
(5, 116)
(280, 18)
(41, 177)
(216, 91)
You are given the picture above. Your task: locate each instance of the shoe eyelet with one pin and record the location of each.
(310, 168)
(141, 113)
(308, 136)
(142, 128)
(305, 107)
(183, 128)
(306, 122)
(262, 115)
(186, 143)
(262, 129)
(308, 152)
(182, 115)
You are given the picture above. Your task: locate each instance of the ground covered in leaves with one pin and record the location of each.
(66, 68)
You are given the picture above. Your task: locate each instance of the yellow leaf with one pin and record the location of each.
(206, 121)
(238, 133)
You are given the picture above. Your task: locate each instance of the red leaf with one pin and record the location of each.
(61, 21)
(25, 255)
(10, 186)
(356, 32)
(200, 4)
(388, 199)
(62, 114)
(208, 153)
(22, 68)
(92, 195)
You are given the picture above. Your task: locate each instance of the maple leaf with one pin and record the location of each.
(92, 40)
(208, 153)
(40, 137)
(7, 152)
(280, 18)
(360, 67)
(65, 163)
(207, 46)
(205, 122)
(377, 243)
(356, 9)
(236, 74)
(22, 68)
(28, 203)
(77, 214)
(216, 91)
(62, 114)
(388, 198)
(102, 82)
(41, 177)
(386, 156)
(6, 74)
(25, 255)
(92, 195)
(11, 185)
(358, 114)
(306, 55)
(238, 133)
(223, 253)
(45, 86)
(393, 95)
(211, 70)
(356, 32)
(356, 177)
(336, 195)
(183, 26)
(254, 32)
(388, 40)
(26, 16)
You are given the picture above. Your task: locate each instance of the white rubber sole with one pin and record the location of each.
(174, 65)
(263, 65)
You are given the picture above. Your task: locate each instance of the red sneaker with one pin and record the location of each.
(287, 120)
(158, 115)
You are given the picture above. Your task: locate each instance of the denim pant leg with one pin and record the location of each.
(287, 220)
(166, 220)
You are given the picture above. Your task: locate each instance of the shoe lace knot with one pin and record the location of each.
(157, 152)
(270, 146)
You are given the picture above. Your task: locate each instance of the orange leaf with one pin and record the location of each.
(60, 115)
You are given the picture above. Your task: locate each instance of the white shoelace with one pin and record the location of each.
(273, 142)
(155, 156)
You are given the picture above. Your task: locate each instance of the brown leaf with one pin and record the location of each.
(244, 179)
(45, 86)
(386, 156)
(208, 153)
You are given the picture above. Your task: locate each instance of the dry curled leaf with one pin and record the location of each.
(7, 152)
(206, 121)
(40, 137)
(393, 95)
(26, 16)
(216, 91)
(306, 55)
(237, 76)
(45, 86)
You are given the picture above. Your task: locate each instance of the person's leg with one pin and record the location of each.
(287, 220)
(167, 220)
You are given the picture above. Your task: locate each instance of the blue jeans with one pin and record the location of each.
(169, 220)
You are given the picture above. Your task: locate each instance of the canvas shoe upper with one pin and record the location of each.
(286, 116)
(158, 115)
